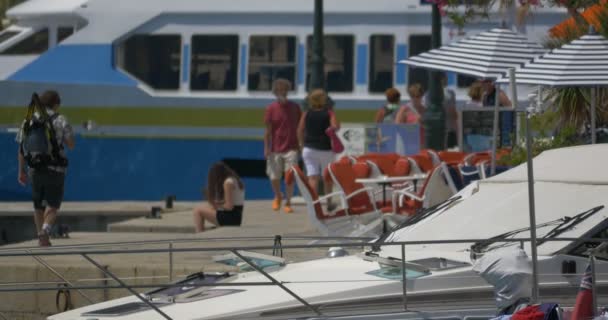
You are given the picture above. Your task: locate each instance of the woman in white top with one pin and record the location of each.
(225, 196)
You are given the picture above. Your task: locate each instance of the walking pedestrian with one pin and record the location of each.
(41, 159)
(281, 141)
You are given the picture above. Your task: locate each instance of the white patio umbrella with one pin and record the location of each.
(486, 55)
(580, 63)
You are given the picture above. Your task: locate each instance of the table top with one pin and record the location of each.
(387, 179)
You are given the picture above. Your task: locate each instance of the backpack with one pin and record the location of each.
(39, 145)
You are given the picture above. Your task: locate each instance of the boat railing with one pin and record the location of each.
(86, 251)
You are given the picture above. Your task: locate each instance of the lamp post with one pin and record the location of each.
(434, 117)
(317, 79)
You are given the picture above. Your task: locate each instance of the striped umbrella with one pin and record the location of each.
(486, 55)
(580, 63)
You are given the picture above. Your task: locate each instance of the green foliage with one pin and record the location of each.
(542, 126)
(476, 9)
(573, 104)
(7, 4)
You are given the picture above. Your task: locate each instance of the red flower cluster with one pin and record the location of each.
(441, 5)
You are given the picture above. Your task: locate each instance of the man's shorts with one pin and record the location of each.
(278, 163)
(47, 188)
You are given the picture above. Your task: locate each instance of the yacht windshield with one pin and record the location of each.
(417, 218)
(561, 225)
(7, 35)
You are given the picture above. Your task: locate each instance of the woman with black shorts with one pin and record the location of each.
(225, 195)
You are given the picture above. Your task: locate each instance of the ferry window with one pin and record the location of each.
(382, 60)
(271, 58)
(339, 67)
(64, 32)
(154, 59)
(418, 44)
(36, 43)
(7, 35)
(464, 81)
(214, 62)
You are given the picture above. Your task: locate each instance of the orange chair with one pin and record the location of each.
(386, 166)
(431, 154)
(451, 158)
(476, 158)
(369, 156)
(361, 170)
(337, 223)
(438, 187)
(402, 167)
(384, 162)
(359, 199)
(424, 162)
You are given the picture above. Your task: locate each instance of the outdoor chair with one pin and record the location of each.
(431, 154)
(473, 159)
(374, 170)
(402, 167)
(374, 155)
(424, 162)
(384, 166)
(414, 167)
(359, 199)
(337, 223)
(451, 158)
(438, 187)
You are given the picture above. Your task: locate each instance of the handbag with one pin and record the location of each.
(336, 144)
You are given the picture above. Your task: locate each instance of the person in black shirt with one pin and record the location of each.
(317, 153)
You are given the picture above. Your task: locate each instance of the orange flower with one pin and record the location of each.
(591, 15)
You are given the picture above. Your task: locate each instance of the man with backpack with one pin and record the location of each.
(41, 157)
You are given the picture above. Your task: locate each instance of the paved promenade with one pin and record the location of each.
(174, 229)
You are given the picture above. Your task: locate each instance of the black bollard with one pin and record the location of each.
(169, 201)
(155, 213)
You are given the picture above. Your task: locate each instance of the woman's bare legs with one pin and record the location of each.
(201, 213)
(313, 181)
(327, 186)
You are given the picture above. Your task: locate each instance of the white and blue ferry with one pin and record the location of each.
(219, 53)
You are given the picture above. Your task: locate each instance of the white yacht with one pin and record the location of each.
(571, 186)
(208, 53)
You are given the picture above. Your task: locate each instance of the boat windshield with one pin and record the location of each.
(4, 36)
(560, 226)
(417, 218)
(600, 250)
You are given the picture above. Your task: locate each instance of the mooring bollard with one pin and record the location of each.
(155, 213)
(169, 201)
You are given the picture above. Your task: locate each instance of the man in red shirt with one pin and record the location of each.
(281, 141)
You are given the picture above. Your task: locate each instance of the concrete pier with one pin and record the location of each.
(175, 228)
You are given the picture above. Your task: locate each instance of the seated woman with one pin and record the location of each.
(225, 196)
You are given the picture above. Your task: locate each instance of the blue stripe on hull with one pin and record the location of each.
(74, 64)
